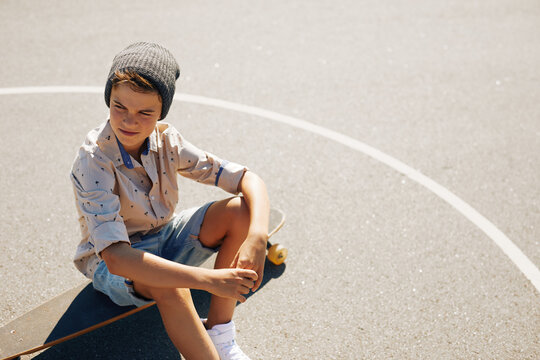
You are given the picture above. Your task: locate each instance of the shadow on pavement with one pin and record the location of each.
(139, 336)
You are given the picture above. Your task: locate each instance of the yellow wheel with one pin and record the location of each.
(277, 254)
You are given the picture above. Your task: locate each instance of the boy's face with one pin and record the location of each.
(133, 116)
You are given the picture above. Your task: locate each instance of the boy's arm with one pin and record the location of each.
(154, 271)
(252, 253)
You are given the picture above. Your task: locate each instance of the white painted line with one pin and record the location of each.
(505, 244)
(52, 90)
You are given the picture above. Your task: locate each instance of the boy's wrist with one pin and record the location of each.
(206, 279)
(257, 237)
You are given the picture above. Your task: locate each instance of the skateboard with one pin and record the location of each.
(82, 310)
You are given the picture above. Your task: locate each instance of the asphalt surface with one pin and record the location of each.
(379, 267)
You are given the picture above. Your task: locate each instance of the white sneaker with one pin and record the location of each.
(223, 338)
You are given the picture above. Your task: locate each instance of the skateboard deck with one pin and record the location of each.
(82, 309)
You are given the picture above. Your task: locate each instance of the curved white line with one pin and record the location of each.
(504, 243)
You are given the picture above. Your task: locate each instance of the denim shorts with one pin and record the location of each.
(177, 241)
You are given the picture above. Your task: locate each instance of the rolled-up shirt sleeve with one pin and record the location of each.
(97, 205)
(204, 167)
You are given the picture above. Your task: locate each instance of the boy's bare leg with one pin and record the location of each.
(181, 321)
(226, 223)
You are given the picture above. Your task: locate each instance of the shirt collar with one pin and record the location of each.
(112, 148)
(126, 157)
(152, 140)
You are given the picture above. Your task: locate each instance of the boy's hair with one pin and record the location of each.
(135, 81)
(151, 62)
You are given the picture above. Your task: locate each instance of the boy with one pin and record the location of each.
(134, 248)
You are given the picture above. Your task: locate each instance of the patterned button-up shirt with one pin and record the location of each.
(116, 197)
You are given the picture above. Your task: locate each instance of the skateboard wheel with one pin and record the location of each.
(277, 254)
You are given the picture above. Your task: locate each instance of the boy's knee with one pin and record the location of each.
(239, 211)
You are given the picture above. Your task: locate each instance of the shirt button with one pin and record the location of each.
(152, 197)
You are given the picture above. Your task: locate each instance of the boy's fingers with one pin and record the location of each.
(248, 283)
(257, 283)
(246, 273)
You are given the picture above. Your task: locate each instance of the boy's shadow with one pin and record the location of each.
(139, 336)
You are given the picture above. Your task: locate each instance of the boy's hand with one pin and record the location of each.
(232, 283)
(252, 255)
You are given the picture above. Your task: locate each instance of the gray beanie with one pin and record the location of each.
(154, 63)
